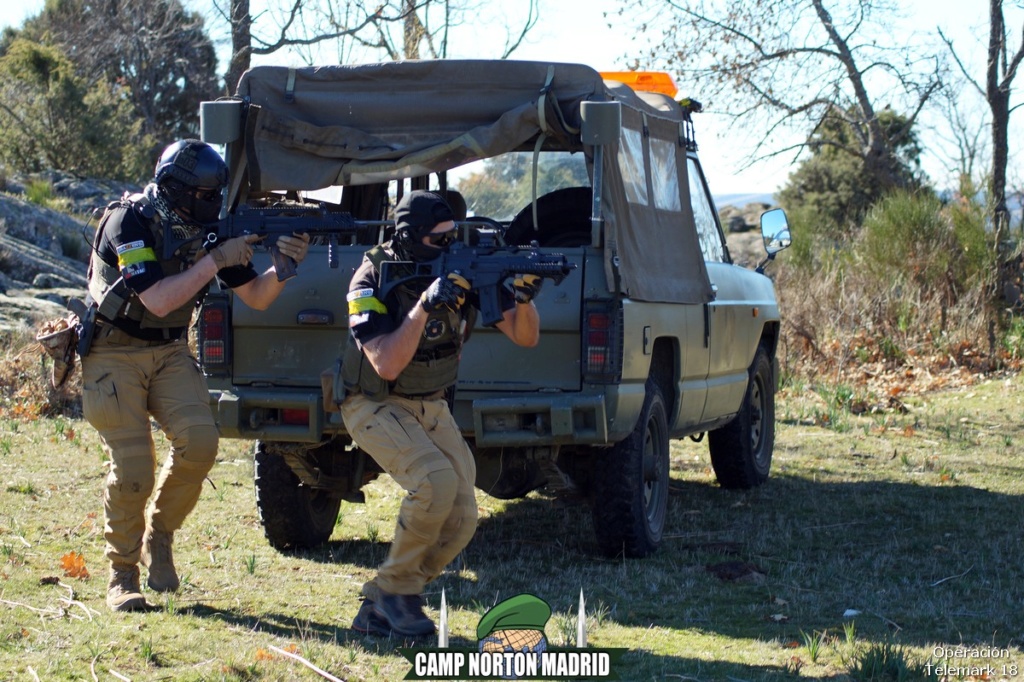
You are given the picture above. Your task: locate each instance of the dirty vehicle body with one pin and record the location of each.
(655, 335)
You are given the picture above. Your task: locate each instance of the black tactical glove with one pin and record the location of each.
(445, 292)
(526, 287)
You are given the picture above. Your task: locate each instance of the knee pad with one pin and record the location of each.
(196, 443)
(438, 491)
(132, 474)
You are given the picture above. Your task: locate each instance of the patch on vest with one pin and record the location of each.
(131, 246)
(435, 329)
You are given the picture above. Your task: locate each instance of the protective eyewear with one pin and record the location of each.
(442, 239)
(204, 194)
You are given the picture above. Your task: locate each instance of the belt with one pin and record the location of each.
(116, 337)
(433, 395)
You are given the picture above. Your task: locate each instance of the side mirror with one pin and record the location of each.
(775, 231)
(601, 122)
(774, 234)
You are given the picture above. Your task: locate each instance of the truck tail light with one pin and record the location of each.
(214, 337)
(602, 342)
(295, 416)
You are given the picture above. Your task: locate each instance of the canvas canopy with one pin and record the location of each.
(314, 127)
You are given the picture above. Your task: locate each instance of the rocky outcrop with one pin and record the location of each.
(44, 251)
(742, 219)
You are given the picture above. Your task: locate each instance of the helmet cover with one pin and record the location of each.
(192, 163)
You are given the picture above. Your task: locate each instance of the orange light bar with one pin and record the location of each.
(647, 81)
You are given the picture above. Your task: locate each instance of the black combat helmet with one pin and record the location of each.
(187, 166)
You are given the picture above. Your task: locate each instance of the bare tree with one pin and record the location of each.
(155, 50)
(963, 132)
(786, 66)
(1000, 70)
(393, 29)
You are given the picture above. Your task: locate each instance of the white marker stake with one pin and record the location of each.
(581, 625)
(442, 630)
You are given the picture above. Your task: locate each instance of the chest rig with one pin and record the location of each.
(107, 288)
(433, 368)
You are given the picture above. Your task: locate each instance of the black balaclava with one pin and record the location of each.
(415, 216)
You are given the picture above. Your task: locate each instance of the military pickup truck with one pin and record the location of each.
(654, 335)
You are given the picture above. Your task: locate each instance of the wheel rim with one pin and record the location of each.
(758, 425)
(756, 413)
(655, 477)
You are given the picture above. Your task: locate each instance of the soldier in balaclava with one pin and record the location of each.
(399, 365)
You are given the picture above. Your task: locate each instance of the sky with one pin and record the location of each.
(577, 31)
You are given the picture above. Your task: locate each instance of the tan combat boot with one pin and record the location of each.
(123, 592)
(158, 557)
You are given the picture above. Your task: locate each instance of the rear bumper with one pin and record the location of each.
(534, 420)
(539, 420)
(255, 413)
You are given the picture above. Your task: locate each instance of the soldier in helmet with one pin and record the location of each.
(139, 364)
(401, 359)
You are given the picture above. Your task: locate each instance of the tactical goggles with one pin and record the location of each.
(443, 239)
(207, 194)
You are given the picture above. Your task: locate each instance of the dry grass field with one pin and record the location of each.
(886, 545)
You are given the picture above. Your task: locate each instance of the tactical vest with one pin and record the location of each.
(107, 288)
(434, 367)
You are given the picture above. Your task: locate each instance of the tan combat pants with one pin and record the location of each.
(124, 382)
(419, 444)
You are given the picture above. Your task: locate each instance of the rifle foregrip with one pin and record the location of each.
(283, 265)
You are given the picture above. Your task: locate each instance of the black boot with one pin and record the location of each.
(404, 613)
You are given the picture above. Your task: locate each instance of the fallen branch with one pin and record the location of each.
(119, 676)
(891, 623)
(309, 665)
(71, 601)
(49, 612)
(952, 577)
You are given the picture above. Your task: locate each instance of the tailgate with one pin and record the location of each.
(301, 333)
(492, 363)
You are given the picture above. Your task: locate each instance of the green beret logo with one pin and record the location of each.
(512, 645)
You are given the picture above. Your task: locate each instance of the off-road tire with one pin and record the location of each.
(741, 451)
(631, 484)
(294, 516)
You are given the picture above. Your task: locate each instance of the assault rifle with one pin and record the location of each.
(272, 222)
(485, 265)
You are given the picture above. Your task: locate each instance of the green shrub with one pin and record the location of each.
(911, 239)
(907, 239)
(1013, 338)
(889, 663)
(39, 192)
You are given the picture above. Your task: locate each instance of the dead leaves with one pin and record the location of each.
(264, 655)
(74, 566)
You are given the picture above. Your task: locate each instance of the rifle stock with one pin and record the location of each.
(486, 266)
